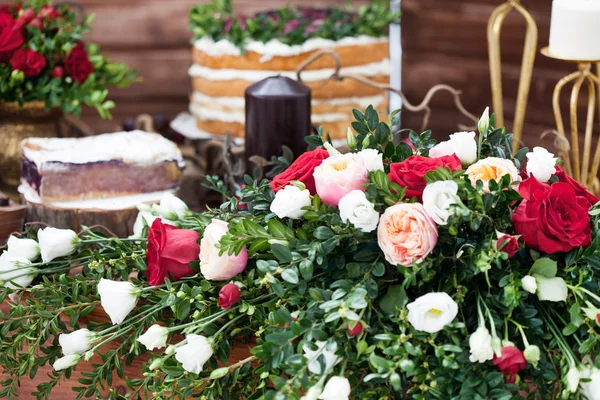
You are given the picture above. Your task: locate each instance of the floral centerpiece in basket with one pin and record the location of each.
(43, 57)
(420, 270)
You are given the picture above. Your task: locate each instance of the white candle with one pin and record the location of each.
(575, 29)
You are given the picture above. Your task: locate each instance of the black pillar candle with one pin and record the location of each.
(277, 114)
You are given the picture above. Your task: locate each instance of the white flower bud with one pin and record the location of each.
(532, 354)
(529, 284)
(76, 342)
(117, 298)
(155, 337)
(573, 377)
(25, 248)
(336, 388)
(55, 243)
(484, 122)
(351, 140)
(480, 344)
(66, 362)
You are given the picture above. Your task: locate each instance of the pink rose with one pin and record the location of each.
(406, 234)
(339, 175)
(215, 267)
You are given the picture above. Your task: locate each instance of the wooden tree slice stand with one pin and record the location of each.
(118, 222)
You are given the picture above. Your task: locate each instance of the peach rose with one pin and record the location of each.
(338, 175)
(492, 168)
(406, 234)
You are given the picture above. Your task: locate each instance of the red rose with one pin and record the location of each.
(580, 190)
(552, 218)
(25, 18)
(78, 65)
(229, 295)
(170, 251)
(28, 61)
(10, 39)
(57, 72)
(508, 244)
(511, 362)
(301, 170)
(48, 12)
(357, 330)
(410, 173)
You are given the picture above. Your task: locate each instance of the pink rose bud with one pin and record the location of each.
(229, 295)
(357, 330)
(508, 244)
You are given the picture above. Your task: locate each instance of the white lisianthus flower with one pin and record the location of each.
(76, 342)
(573, 377)
(155, 337)
(480, 344)
(463, 144)
(328, 355)
(66, 362)
(541, 164)
(117, 298)
(372, 159)
(590, 389)
(360, 212)
(289, 201)
(138, 225)
(173, 203)
(313, 393)
(438, 199)
(532, 354)
(195, 353)
(25, 248)
(551, 289)
(432, 312)
(336, 388)
(56, 243)
(529, 284)
(484, 122)
(16, 272)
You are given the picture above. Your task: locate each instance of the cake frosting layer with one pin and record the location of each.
(575, 30)
(275, 47)
(135, 147)
(372, 69)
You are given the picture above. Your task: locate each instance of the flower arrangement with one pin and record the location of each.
(217, 20)
(454, 270)
(43, 58)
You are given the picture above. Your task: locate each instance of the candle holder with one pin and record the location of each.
(494, 29)
(576, 167)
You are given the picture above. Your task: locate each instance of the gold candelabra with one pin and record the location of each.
(577, 165)
(494, 29)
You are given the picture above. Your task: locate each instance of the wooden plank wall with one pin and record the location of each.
(443, 42)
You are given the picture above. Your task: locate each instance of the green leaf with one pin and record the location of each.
(394, 300)
(306, 269)
(545, 267)
(279, 230)
(323, 233)
(219, 373)
(290, 275)
(282, 253)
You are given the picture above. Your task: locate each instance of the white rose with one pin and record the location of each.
(590, 389)
(551, 289)
(463, 144)
(56, 243)
(441, 149)
(480, 344)
(16, 272)
(438, 199)
(138, 225)
(195, 353)
(289, 201)
(173, 203)
(117, 298)
(529, 285)
(329, 357)
(155, 337)
(541, 164)
(66, 362)
(25, 248)
(336, 388)
(573, 377)
(76, 342)
(372, 159)
(313, 393)
(431, 312)
(355, 207)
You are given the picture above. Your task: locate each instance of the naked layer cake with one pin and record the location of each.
(231, 53)
(103, 166)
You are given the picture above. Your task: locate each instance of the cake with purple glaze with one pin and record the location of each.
(103, 166)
